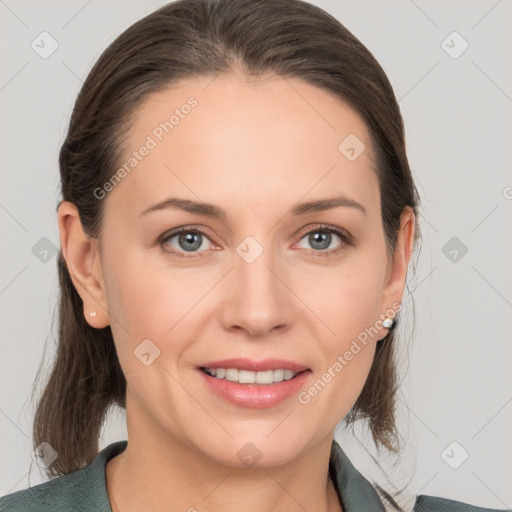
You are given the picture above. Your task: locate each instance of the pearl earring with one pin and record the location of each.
(389, 323)
(92, 313)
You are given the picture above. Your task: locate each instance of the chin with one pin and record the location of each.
(256, 450)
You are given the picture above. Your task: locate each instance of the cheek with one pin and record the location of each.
(150, 300)
(139, 292)
(346, 299)
(143, 304)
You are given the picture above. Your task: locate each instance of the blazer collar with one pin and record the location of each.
(354, 491)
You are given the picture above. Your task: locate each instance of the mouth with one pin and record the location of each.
(253, 384)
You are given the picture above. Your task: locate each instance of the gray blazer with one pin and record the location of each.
(358, 495)
(85, 490)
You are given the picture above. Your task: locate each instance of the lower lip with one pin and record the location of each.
(256, 396)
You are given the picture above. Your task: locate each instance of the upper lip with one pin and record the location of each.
(255, 366)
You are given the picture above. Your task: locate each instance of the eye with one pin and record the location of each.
(321, 238)
(194, 240)
(188, 240)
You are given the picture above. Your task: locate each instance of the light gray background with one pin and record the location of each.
(456, 367)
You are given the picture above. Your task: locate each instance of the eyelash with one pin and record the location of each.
(344, 236)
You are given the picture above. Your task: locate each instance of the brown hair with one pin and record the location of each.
(183, 39)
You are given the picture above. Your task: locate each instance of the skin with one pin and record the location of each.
(254, 147)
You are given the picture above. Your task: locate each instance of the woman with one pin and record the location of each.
(237, 220)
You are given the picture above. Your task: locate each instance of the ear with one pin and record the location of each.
(83, 261)
(396, 273)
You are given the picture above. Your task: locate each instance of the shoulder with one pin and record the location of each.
(57, 495)
(435, 504)
(80, 491)
(357, 493)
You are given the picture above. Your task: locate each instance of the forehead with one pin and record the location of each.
(245, 140)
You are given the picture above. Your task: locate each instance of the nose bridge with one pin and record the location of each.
(259, 300)
(254, 264)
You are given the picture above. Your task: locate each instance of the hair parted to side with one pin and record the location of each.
(186, 39)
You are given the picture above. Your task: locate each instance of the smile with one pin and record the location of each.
(244, 391)
(249, 377)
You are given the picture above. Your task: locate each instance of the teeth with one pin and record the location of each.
(248, 377)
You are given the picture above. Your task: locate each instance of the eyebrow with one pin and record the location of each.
(210, 210)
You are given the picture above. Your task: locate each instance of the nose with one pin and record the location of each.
(259, 300)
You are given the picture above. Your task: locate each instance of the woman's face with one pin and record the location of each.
(266, 280)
